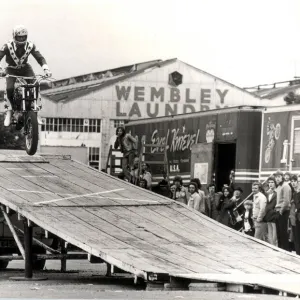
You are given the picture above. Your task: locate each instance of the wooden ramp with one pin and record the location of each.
(135, 230)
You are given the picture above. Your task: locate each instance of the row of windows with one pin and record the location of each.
(119, 123)
(72, 125)
(94, 157)
(76, 125)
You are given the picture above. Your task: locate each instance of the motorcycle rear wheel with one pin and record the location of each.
(32, 132)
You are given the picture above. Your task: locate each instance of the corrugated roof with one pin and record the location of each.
(271, 93)
(73, 91)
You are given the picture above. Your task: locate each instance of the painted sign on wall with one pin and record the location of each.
(179, 136)
(163, 101)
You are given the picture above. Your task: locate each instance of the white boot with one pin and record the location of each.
(7, 120)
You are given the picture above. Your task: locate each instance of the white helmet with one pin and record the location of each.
(20, 34)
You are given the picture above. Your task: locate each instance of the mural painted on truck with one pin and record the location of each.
(179, 135)
(275, 140)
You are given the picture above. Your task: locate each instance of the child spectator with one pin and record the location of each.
(146, 175)
(248, 224)
(238, 209)
(172, 192)
(143, 183)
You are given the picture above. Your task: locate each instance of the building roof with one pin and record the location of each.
(271, 91)
(71, 88)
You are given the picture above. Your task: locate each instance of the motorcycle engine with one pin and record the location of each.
(18, 93)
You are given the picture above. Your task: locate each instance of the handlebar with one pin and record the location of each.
(38, 78)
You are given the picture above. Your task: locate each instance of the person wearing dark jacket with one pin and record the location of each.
(128, 146)
(295, 224)
(212, 200)
(225, 207)
(270, 216)
(284, 196)
(248, 224)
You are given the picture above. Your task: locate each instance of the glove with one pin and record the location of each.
(47, 73)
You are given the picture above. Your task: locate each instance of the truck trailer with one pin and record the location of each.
(208, 145)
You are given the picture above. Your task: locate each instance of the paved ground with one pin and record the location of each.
(87, 281)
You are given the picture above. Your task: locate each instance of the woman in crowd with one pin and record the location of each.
(196, 201)
(181, 193)
(225, 207)
(200, 192)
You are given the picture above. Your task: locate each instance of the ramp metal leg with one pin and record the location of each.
(28, 250)
(63, 261)
(28, 237)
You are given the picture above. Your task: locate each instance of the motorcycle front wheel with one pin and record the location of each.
(31, 132)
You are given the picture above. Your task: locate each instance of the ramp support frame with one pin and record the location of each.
(28, 250)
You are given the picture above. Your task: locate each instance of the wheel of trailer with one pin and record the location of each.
(277, 131)
(267, 155)
(32, 133)
(39, 264)
(3, 264)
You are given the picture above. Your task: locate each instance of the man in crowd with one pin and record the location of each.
(259, 211)
(270, 217)
(292, 216)
(128, 145)
(296, 231)
(212, 200)
(283, 203)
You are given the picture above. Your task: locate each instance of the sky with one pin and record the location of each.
(246, 42)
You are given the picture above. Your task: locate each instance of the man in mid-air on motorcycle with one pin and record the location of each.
(17, 52)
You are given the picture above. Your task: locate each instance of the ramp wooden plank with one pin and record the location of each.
(129, 233)
(106, 181)
(94, 233)
(60, 186)
(262, 254)
(8, 156)
(94, 185)
(181, 239)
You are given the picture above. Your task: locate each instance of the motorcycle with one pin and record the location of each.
(26, 107)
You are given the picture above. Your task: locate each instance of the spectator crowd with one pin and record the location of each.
(273, 215)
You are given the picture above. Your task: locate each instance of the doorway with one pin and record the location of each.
(224, 163)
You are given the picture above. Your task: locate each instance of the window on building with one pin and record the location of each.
(118, 123)
(94, 157)
(72, 125)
